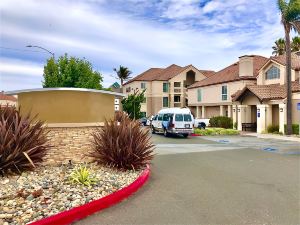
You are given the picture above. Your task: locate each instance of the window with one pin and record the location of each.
(224, 92)
(178, 117)
(167, 117)
(155, 117)
(176, 98)
(177, 84)
(143, 114)
(143, 85)
(187, 117)
(159, 118)
(165, 102)
(273, 73)
(199, 95)
(128, 89)
(165, 87)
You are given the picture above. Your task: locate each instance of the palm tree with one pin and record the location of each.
(123, 74)
(279, 48)
(296, 44)
(290, 17)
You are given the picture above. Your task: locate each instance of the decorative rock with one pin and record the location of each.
(58, 194)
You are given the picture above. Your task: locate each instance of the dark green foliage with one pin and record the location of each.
(273, 129)
(235, 125)
(132, 104)
(23, 141)
(122, 145)
(221, 121)
(295, 128)
(71, 72)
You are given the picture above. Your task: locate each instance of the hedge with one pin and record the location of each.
(221, 121)
(295, 128)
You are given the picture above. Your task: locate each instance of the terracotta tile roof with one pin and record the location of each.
(281, 60)
(267, 92)
(207, 73)
(161, 74)
(7, 97)
(231, 73)
(148, 75)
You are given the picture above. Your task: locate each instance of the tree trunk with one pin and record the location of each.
(288, 80)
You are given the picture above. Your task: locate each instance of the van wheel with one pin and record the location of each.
(166, 134)
(153, 130)
(185, 135)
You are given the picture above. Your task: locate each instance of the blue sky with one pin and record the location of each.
(138, 34)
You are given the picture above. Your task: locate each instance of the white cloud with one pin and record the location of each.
(16, 66)
(137, 37)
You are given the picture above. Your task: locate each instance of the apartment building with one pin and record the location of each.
(251, 91)
(165, 87)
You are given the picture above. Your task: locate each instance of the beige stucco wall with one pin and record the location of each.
(295, 112)
(262, 75)
(213, 94)
(246, 66)
(68, 106)
(211, 111)
(250, 99)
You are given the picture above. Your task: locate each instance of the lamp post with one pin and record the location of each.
(35, 46)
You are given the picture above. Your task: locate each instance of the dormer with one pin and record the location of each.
(246, 66)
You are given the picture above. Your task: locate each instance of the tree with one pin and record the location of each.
(279, 48)
(71, 72)
(290, 15)
(132, 104)
(296, 44)
(123, 74)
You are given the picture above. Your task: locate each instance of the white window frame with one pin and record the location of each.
(224, 96)
(274, 73)
(143, 85)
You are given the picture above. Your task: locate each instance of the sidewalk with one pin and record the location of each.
(272, 136)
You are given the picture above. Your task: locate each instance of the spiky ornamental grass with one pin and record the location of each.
(23, 141)
(123, 145)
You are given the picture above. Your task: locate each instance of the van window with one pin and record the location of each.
(155, 117)
(167, 116)
(178, 117)
(187, 117)
(160, 117)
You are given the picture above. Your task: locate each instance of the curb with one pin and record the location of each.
(195, 135)
(80, 212)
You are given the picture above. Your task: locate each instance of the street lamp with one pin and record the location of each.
(34, 46)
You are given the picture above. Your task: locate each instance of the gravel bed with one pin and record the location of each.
(48, 191)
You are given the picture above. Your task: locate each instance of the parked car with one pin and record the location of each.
(143, 121)
(201, 123)
(173, 121)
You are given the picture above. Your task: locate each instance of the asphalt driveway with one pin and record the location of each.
(197, 181)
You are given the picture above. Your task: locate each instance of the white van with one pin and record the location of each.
(173, 120)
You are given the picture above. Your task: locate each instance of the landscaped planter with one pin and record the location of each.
(76, 210)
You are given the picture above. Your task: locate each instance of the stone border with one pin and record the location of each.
(80, 212)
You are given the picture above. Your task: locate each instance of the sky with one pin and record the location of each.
(138, 34)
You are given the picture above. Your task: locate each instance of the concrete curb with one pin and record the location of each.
(80, 212)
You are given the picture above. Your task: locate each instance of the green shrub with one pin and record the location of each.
(23, 141)
(221, 121)
(273, 128)
(123, 145)
(82, 175)
(216, 131)
(235, 125)
(295, 128)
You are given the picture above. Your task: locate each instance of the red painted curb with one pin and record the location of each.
(80, 212)
(195, 135)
